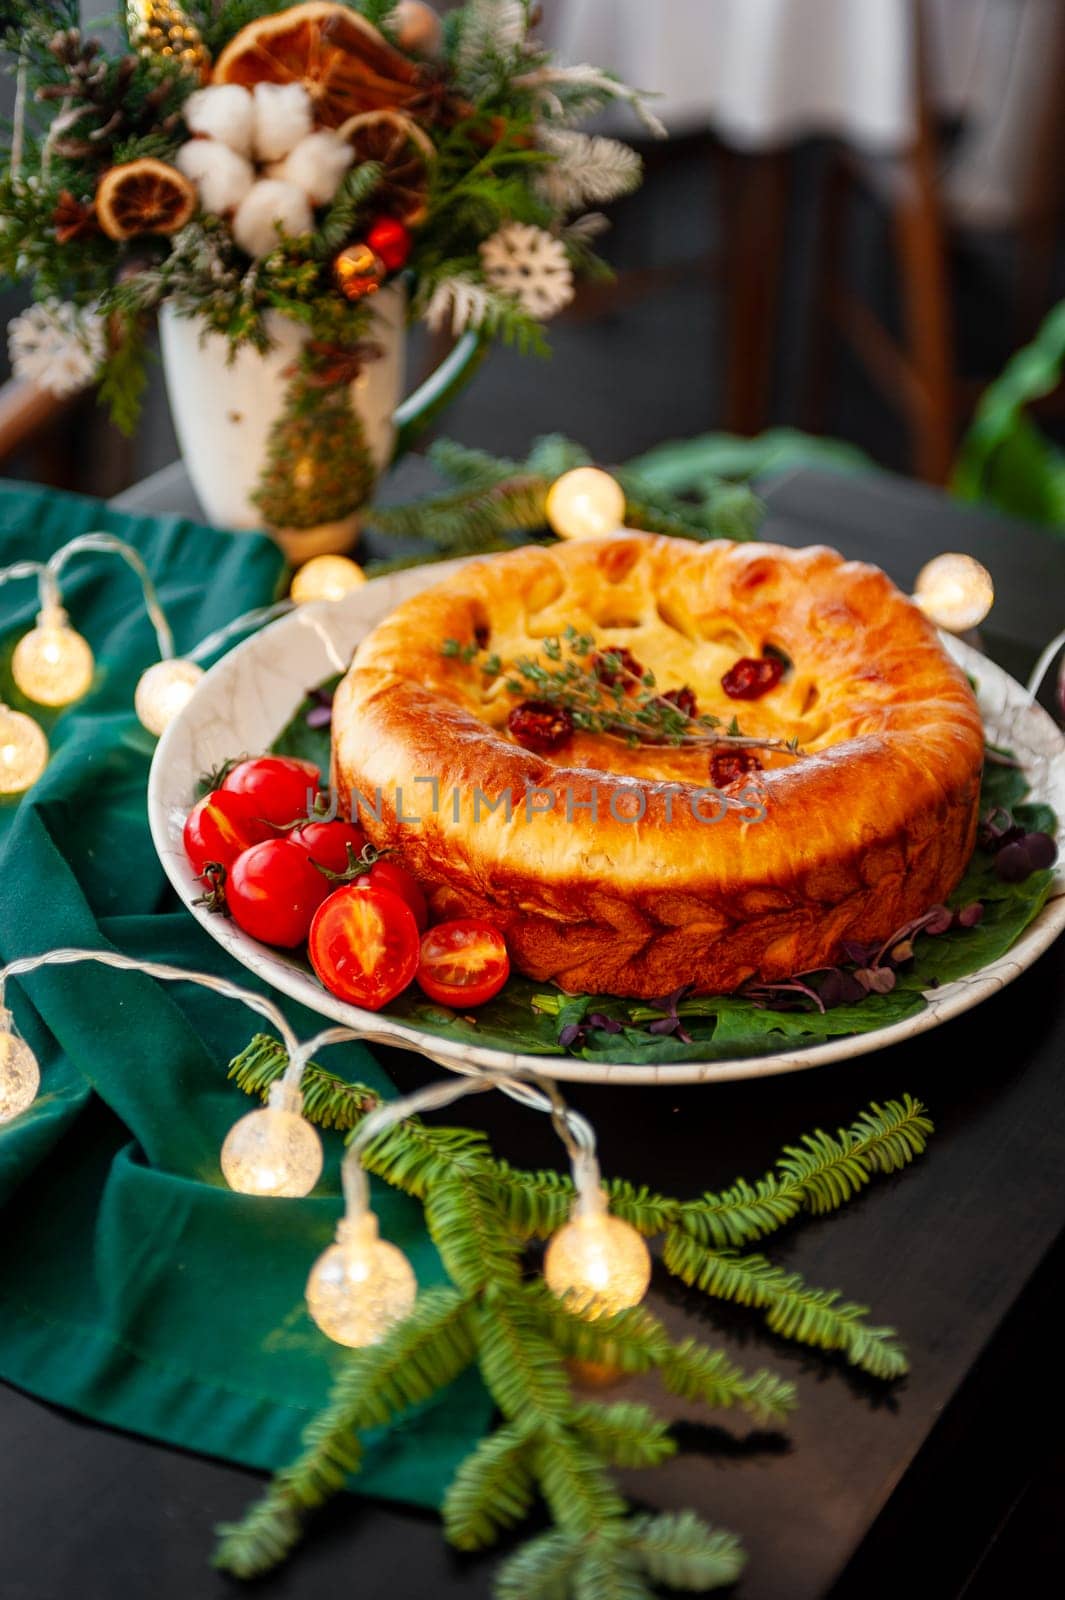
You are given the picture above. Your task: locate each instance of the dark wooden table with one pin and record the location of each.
(870, 1492)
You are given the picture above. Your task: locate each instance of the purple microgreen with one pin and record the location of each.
(605, 1024)
(319, 717)
(1011, 862)
(937, 920)
(1041, 849)
(840, 988)
(881, 979)
(571, 1036)
(970, 915)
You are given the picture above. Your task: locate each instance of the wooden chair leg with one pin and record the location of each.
(826, 270)
(754, 225)
(923, 267)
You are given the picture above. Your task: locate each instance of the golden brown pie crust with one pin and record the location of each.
(872, 826)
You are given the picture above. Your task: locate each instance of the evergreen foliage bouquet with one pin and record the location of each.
(240, 161)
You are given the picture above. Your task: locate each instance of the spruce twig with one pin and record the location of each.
(551, 1443)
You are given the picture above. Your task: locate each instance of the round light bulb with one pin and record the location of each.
(20, 1076)
(597, 1263)
(584, 502)
(955, 592)
(274, 1151)
(361, 1286)
(326, 578)
(23, 751)
(52, 664)
(164, 690)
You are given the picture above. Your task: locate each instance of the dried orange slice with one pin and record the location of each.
(144, 196)
(346, 65)
(404, 151)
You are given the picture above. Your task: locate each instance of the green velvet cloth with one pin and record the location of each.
(135, 1288)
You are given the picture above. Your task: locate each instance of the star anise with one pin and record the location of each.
(73, 218)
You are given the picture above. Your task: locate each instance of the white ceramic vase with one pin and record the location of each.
(223, 409)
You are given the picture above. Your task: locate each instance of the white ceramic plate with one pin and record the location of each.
(245, 701)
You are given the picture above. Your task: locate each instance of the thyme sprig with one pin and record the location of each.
(603, 695)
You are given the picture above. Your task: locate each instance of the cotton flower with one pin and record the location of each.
(269, 205)
(316, 165)
(222, 177)
(223, 111)
(58, 346)
(283, 116)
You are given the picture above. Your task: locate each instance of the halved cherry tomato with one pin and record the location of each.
(278, 784)
(463, 963)
(220, 827)
(273, 890)
(327, 842)
(389, 877)
(364, 945)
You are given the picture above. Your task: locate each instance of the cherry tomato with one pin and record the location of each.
(390, 878)
(364, 945)
(327, 842)
(220, 826)
(273, 891)
(463, 963)
(278, 784)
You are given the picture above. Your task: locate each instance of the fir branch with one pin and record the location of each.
(423, 1354)
(679, 1550)
(341, 221)
(521, 1368)
(541, 1569)
(818, 1175)
(492, 1491)
(625, 1434)
(462, 1222)
(576, 1487)
(795, 1309)
(480, 1212)
(696, 1372)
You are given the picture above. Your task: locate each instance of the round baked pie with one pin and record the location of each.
(506, 734)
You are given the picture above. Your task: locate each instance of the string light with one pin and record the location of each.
(585, 502)
(23, 751)
(955, 592)
(326, 578)
(597, 1263)
(258, 1003)
(361, 1286)
(53, 664)
(274, 1151)
(20, 1076)
(163, 690)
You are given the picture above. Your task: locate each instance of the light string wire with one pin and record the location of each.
(575, 1131)
(1043, 665)
(166, 974)
(529, 1088)
(106, 544)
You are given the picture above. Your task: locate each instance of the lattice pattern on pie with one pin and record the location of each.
(874, 823)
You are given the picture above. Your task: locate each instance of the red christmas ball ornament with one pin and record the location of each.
(391, 242)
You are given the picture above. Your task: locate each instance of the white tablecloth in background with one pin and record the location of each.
(766, 72)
